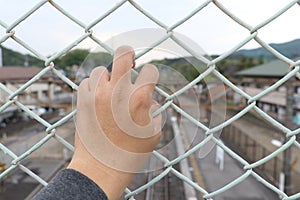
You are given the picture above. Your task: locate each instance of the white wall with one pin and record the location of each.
(39, 90)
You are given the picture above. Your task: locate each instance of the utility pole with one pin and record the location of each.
(1, 58)
(289, 123)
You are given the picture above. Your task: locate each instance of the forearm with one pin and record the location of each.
(69, 184)
(111, 181)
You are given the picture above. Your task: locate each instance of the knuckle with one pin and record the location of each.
(100, 69)
(151, 69)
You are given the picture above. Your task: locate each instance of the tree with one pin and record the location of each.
(14, 58)
(75, 57)
(189, 67)
(261, 59)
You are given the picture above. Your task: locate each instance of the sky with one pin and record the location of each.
(48, 31)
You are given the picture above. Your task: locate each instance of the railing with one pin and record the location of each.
(252, 150)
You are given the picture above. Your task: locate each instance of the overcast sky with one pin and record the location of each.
(48, 31)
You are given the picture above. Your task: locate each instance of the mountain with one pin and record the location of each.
(188, 67)
(65, 62)
(289, 49)
(14, 58)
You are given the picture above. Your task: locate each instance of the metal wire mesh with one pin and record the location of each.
(87, 30)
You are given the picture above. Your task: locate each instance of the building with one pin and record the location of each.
(42, 91)
(47, 92)
(259, 78)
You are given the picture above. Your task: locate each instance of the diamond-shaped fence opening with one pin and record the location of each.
(239, 144)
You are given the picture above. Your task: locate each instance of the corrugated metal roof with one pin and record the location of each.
(18, 73)
(275, 68)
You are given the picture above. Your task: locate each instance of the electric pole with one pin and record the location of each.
(1, 58)
(289, 123)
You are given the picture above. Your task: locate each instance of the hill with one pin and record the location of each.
(189, 67)
(290, 49)
(14, 58)
(74, 57)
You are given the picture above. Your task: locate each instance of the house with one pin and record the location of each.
(256, 79)
(14, 77)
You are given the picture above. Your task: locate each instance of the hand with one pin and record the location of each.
(115, 131)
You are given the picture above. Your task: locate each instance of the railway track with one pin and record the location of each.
(169, 187)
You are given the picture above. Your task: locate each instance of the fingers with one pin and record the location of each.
(83, 87)
(147, 78)
(98, 76)
(82, 92)
(156, 120)
(123, 62)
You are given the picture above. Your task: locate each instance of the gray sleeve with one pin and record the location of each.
(69, 184)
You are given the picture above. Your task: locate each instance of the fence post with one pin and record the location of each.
(1, 58)
(289, 123)
(254, 150)
(263, 155)
(275, 169)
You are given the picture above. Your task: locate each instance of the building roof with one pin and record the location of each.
(275, 68)
(15, 73)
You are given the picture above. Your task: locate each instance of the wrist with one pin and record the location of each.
(111, 181)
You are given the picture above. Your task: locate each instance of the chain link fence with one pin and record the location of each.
(87, 32)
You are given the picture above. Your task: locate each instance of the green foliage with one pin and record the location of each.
(244, 59)
(13, 58)
(75, 57)
(189, 67)
(99, 59)
(83, 57)
(290, 49)
(229, 66)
